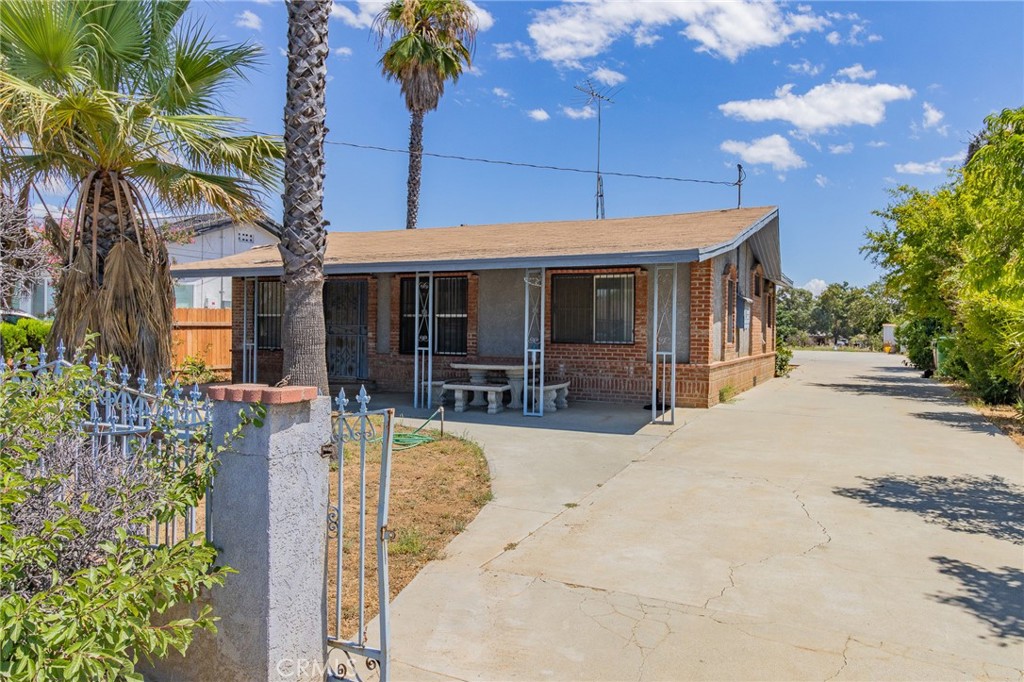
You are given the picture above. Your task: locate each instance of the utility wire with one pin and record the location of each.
(520, 164)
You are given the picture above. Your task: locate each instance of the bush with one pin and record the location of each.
(78, 580)
(26, 335)
(783, 355)
(917, 335)
(194, 370)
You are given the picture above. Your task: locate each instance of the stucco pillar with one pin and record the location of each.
(268, 520)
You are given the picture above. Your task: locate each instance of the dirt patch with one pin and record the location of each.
(436, 489)
(1005, 417)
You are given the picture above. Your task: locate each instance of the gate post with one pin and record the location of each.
(268, 516)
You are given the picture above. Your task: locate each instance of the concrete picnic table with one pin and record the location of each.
(478, 375)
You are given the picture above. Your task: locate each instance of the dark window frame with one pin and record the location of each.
(268, 315)
(585, 326)
(454, 340)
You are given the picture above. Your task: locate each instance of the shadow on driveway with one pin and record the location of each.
(968, 504)
(906, 386)
(996, 597)
(963, 420)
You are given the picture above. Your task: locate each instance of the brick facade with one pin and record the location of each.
(612, 372)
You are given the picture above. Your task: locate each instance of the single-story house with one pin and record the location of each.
(624, 309)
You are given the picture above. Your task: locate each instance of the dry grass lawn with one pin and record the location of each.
(436, 490)
(1005, 417)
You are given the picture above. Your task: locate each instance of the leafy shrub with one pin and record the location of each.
(917, 335)
(783, 356)
(78, 580)
(726, 393)
(15, 340)
(26, 334)
(194, 370)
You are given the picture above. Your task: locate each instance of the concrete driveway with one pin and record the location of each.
(853, 521)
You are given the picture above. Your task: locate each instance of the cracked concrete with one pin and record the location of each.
(720, 549)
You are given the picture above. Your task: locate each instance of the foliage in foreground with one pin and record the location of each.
(79, 582)
(955, 258)
(783, 356)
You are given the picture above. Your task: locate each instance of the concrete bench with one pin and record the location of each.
(436, 392)
(495, 393)
(556, 395)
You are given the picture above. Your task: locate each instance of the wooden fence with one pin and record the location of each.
(204, 333)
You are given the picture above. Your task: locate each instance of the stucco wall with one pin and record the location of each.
(501, 313)
(383, 313)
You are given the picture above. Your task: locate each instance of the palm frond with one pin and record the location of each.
(191, 189)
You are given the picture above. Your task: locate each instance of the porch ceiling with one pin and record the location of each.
(575, 243)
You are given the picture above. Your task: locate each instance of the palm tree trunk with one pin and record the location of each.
(304, 235)
(415, 168)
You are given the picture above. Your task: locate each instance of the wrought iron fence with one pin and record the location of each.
(127, 418)
(361, 433)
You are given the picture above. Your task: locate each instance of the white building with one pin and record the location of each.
(203, 237)
(212, 236)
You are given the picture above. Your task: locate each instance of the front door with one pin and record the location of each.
(345, 317)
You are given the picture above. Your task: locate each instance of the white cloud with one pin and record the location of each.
(264, 2)
(538, 114)
(815, 286)
(513, 50)
(858, 32)
(574, 31)
(874, 38)
(928, 167)
(343, 51)
(840, 148)
(501, 92)
(806, 68)
(773, 150)
(581, 113)
(361, 13)
(608, 77)
(249, 19)
(856, 73)
(823, 107)
(878, 144)
(932, 118)
(283, 52)
(834, 38)
(475, 70)
(820, 180)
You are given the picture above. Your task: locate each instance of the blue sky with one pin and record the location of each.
(826, 105)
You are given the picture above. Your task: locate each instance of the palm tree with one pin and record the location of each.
(431, 43)
(304, 237)
(120, 100)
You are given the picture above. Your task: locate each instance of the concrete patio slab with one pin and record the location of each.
(853, 521)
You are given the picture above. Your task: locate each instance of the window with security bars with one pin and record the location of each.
(592, 308)
(451, 315)
(269, 307)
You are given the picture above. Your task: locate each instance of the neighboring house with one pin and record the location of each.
(212, 235)
(613, 306)
(192, 239)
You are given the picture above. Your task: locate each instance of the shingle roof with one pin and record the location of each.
(653, 239)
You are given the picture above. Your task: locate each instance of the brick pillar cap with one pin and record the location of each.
(261, 393)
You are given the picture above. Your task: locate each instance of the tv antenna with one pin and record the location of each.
(600, 97)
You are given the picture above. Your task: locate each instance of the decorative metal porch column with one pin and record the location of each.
(423, 367)
(663, 358)
(533, 344)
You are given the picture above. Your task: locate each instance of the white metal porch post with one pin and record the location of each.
(533, 343)
(663, 356)
(423, 365)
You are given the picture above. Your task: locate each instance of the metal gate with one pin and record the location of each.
(360, 434)
(345, 320)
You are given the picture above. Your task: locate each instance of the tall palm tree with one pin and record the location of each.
(120, 100)
(431, 43)
(304, 235)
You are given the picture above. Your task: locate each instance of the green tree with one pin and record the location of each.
(832, 313)
(121, 100)
(431, 44)
(794, 314)
(304, 233)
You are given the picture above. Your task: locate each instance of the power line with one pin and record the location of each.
(521, 164)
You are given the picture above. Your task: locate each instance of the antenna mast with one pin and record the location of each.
(594, 95)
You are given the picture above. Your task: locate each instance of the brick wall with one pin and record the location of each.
(608, 372)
